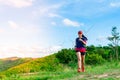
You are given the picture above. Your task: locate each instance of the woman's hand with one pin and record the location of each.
(82, 41)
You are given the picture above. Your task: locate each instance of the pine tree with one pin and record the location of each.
(115, 38)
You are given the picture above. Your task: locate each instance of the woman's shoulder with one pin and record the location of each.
(77, 38)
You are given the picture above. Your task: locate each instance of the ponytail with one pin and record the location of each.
(84, 37)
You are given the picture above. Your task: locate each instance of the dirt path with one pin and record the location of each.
(115, 75)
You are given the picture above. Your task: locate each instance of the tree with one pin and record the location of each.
(66, 56)
(115, 38)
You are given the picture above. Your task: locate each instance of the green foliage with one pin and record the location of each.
(114, 39)
(94, 55)
(104, 52)
(91, 48)
(97, 55)
(119, 51)
(94, 59)
(2, 77)
(66, 56)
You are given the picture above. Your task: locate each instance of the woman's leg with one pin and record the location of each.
(79, 61)
(83, 62)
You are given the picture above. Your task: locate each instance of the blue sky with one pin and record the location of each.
(35, 28)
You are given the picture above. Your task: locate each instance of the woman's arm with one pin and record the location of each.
(84, 42)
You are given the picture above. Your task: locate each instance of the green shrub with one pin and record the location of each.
(66, 56)
(94, 59)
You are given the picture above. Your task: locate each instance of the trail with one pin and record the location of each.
(115, 74)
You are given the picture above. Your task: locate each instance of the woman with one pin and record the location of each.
(80, 50)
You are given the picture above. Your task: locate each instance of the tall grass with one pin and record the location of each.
(106, 71)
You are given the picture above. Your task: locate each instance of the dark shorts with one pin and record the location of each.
(82, 53)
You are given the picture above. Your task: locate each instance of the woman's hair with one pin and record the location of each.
(84, 37)
(80, 32)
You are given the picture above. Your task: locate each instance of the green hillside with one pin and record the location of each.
(7, 63)
(63, 65)
(48, 63)
(106, 71)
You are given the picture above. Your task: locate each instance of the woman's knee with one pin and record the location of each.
(83, 58)
(79, 58)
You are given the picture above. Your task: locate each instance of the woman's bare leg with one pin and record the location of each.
(79, 61)
(83, 62)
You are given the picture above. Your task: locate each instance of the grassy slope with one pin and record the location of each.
(107, 71)
(11, 62)
(48, 63)
(48, 68)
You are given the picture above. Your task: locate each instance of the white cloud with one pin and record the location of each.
(69, 22)
(117, 4)
(17, 3)
(13, 24)
(55, 48)
(25, 51)
(48, 10)
(53, 23)
(22, 28)
(52, 15)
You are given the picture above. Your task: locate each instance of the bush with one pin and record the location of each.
(94, 59)
(66, 56)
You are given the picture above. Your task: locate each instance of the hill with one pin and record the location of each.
(10, 62)
(106, 71)
(63, 66)
(48, 63)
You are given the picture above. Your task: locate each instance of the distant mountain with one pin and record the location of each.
(48, 63)
(6, 63)
(9, 58)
